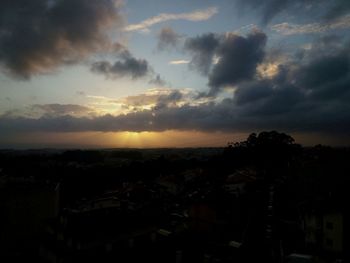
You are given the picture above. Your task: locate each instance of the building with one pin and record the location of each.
(325, 225)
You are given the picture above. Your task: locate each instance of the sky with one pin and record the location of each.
(162, 73)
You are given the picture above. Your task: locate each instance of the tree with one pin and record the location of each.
(270, 151)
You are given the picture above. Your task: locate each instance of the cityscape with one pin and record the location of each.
(262, 199)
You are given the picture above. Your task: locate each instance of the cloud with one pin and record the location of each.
(271, 8)
(308, 93)
(203, 50)
(313, 28)
(158, 81)
(168, 38)
(54, 110)
(37, 37)
(169, 100)
(324, 70)
(198, 15)
(226, 59)
(128, 66)
(280, 110)
(158, 97)
(239, 57)
(179, 62)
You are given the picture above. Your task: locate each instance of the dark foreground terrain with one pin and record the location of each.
(266, 199)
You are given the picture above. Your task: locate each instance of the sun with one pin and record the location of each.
(130, 139)
(137, 139)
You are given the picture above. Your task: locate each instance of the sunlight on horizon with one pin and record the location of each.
(126, 139)
(144, 139)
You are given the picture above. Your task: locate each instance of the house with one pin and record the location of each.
(324, 224)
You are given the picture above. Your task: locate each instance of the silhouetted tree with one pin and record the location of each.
(266, 139)
(269, 151)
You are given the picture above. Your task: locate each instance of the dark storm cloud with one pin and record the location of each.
(237, 57)
(160, 119)
(39, 36)
(168, 38)
(275, 112)
(168, 100)
(127, 66)
(203, 50)
(307, 94)
(271, 8)
(253, 92)
(324, 70)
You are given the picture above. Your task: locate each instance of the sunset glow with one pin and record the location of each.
(194, 73)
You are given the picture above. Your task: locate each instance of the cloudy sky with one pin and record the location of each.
(164, 73)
